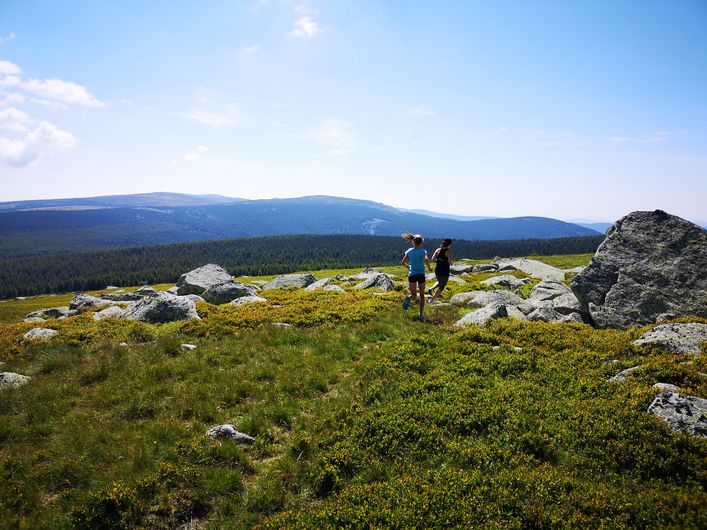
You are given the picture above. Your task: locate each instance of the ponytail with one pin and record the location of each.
(417, 239)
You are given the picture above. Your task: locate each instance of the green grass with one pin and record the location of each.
(363, 418)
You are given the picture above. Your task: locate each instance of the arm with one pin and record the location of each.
(434, 256)
(405, 260)
(450, 256)
(427, 261)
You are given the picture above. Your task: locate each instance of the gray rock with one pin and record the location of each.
(145, 290)
(290, 280)
(572, 317)
(364, 275)
(484, 298)
(319, 284)
(461, 268)
(53, 312)
(334, 288)
(381, 282)
(567, 304)
(515, 313)
(506, 280)
(549, 290)
(545, 314)
(34, 319)
(229, 431)
(82, 300)
(194, 298)
(575, 270)
(199, 280)
(109, 312)
(12, 380)
(172, 290)
(39, 334)
(680, 338)
(223, 293)
(666, 387)
(122, 297)
(534, 268)
(111, 288)
(482, 316)
(650, 263)
(683, 413)
(248, 300)
(161, 308)
(623, 375)
(188, 346)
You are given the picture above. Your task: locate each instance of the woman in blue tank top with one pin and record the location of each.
(416, 259)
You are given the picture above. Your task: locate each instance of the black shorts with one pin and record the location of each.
(417, 278)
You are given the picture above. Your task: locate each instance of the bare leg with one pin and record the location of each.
(413, 292)
(422, 297)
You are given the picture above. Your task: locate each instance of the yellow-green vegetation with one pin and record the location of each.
(568, 261)
(363, 418)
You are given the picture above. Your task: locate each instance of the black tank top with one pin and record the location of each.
(442, 266)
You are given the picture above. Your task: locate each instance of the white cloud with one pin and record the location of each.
(252, 49)
(13, 98)
(228, 115)
(12, 119)
(305, 28)
(45, 140)
(10, 37)
(654, 137)
(197, 153)
(61, 92)
(8, 68)
(10, 81)
(421, 111)
(340, 135)
(304, 10)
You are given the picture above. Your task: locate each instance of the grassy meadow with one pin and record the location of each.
(363, 418)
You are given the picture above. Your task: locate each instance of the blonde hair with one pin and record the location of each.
(417, 239)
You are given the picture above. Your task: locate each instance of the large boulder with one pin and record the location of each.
(682, 413)
(380, 281)
(122, 297)
(12, 380)
(319, 284)
(505, 280)
(81, 300)
(680, 338)
(651, 265)
(52, 312)
(290, 280)
(160, 308)
(482, 316)
(201, 279)
(534, 268)
(222, 293)
(461, 268)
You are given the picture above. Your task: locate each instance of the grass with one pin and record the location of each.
(363, 418)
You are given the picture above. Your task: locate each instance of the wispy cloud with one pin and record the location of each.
(228, 115)
(45, 140)
(62, 92)
(421, 111)
(255, 48)
(8, 68)
(654, 137)
(196, 154)
(305, 28)
(7, 38)
(304, 10)
(339, 135)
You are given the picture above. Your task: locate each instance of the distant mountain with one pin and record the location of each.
(449, 215)
(599, 227)
(36, 230)
(138, 200)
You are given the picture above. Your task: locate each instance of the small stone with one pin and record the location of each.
(666, 387)
(623, 375)
(248, 300)
(229, 431)
(188, 346)
(12, 380)
(38, 334)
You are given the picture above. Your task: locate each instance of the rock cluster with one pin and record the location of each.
(651, 266)
(290, 280)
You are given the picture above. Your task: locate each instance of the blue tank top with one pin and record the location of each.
(416, 258)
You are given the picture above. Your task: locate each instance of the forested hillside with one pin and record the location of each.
(85, 270)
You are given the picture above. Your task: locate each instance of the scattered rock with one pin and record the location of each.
(173, 290)
(319, 284)
(461, 268)
(650, 263)
(111, 288)
(548, 290)
(82, 300)
(161, 308)
(248, 300)
(12, 380)
(380, 281)
(482, 316)
(194, 298)
(122, 344)
(572, 317)
(515, 313)
(188, 346)
(223, 293)
(290, 280)
(281, 325)
(334, 288)
(38, 334)
(34, 319)
(683, 413)
(199, 280)
(666, 387)
(534, 268)
(506, 280)
(229, 431)
(623, 375)
(680, 338)
(109, 312)
(145, 290)
(484, 298)
(122, 297)
(53, 312)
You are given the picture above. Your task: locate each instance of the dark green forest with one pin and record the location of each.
(95, 269)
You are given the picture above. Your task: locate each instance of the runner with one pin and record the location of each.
(416, 258)
(443, 258)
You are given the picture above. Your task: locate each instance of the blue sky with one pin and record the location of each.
(563, 109)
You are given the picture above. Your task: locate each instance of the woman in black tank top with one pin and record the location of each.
(443, 258)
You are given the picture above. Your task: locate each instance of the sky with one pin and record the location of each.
(574, 110)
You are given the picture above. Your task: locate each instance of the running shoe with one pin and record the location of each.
(406, 303)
